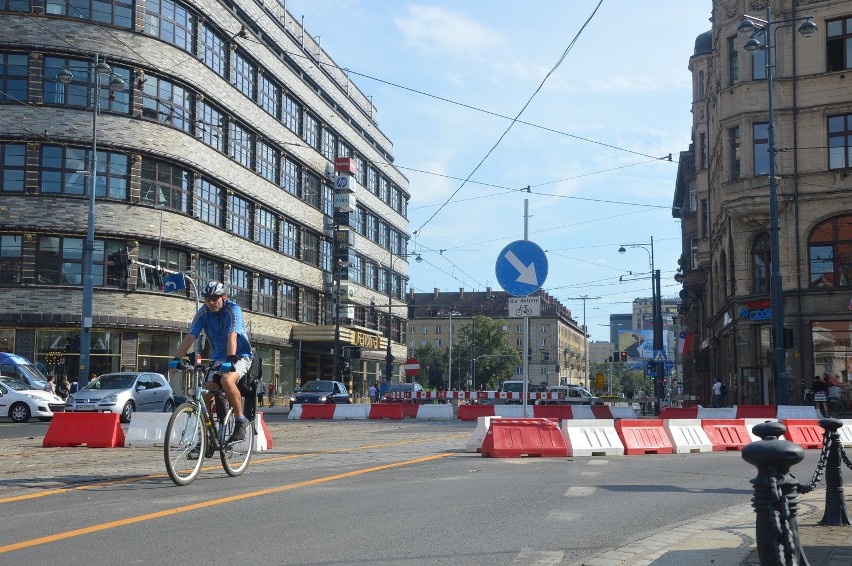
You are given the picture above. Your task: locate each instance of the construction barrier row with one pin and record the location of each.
(393, 411)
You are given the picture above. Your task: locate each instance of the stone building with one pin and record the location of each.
(215, 159)
(722, 196)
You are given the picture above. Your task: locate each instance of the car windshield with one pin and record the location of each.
(399, 388)
(513, 387)
(16, 385)
(318, 387)
(113, 381)
(582, 391)
(33, 374)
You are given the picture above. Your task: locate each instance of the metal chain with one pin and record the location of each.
(785, 548)
(820, 468)
(844, 457)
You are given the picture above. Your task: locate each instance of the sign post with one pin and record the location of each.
(412, 367)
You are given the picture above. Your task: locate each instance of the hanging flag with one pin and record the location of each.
(685, 342)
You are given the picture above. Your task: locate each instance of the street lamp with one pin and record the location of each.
(656, 307)
(753, 27)
(389, 355)
(116, 83)
(584, 298)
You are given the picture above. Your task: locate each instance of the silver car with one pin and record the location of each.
(123, 393)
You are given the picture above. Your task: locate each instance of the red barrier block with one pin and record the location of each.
(261, 425)
(643, 436)
(472, 412)
(513, 438)
(385, 411)
(756, 411)
(317, 411)
(410, 410)
(679, 413)
(805, 433)
(557, 412)
(726, 434)
(95, 430)
(602, 412)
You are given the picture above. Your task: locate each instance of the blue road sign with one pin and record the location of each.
(173, 282)
(521, 268)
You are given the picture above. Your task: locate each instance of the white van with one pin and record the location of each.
(20, 368)
(571, 395)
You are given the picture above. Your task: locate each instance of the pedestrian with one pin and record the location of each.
(383, 388)
(374, 398)
(50, 386)
(820, 390)
(270, 391)
(642, 397)
(719, 391)
(63, 388)
(261, 391)
(74, 386)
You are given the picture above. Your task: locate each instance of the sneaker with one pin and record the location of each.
(195, 453)
(239, 432)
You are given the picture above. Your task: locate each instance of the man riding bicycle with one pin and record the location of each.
(221, 321)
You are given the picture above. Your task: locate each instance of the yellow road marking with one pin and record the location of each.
(203, 504)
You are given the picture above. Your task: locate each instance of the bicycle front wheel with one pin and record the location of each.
(235, 456)
(185, 444)
(835, 407)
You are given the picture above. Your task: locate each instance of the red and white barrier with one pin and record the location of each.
(687, 436)
(726, 434)
(591, 438)
(263, 439)
(474, 442)
(147, 430)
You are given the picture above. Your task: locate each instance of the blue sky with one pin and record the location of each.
(593, 148)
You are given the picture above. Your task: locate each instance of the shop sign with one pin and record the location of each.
(757, 310)
(368, 341)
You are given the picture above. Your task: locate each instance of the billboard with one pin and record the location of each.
(639, 345)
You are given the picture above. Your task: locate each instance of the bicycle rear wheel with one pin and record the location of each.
(236, 456)
(185, 444)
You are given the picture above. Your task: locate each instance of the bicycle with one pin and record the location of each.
(192, 435)
(836, 405)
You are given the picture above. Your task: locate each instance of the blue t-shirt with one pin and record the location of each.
(217, 326)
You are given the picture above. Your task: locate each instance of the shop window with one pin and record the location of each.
(761, 258)
(830, 253)
(10, 258)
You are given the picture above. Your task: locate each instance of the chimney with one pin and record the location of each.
(461, 293)
(437, 292)
(488, 290)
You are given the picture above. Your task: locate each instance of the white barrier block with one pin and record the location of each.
(591, 437)
(798, 412)
(344, 412)
(845, 433)
(687, 436)
(435, 412)
(295, 412)
(260, 443)
(623, 412)
(510, 411)
(723, 413)
(146, 430)
(749, 424)
(583, 412)
(474, 442)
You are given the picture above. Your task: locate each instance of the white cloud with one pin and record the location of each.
(433, 29)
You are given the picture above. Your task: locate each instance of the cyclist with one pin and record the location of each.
(221, 321)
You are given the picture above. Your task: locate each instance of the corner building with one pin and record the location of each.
(722, 198)
(215, 160)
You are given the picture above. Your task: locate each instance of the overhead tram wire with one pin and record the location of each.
(514, 120)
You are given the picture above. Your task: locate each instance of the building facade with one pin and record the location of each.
(722, 198)
(556, 341)
(216, 159)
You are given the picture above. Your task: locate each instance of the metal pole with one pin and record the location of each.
(336, 353)
(525, 390)
(450, 358)
(659, 363)
(389, 354)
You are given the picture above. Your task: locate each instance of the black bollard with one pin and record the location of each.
(835, 507)
(774, 501)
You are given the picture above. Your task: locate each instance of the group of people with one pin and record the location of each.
(823, 388)
(268, 390)
(63, 389)
(377, 391)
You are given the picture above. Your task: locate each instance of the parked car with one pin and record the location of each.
(397, 392)
(13, 365)
(20, 401)
(321, 391)
(571, 395)
(124, 393)
(515, 386)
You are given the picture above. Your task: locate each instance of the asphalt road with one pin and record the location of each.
(350, 492)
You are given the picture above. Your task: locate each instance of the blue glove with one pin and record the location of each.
(226, 367)
(174, 364)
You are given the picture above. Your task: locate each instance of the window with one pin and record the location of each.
(702, 147)
(10, 258)
(214, 50)
(383, 234)
(289, 238)
(734, 146)
(291, 176)
(171, 22)
(761, 148)
(733, 61)
(60, 168)
(208, 202)
(691, 202)
(840, 141)
(292, 116)
(693, 253)
(15, 5)
(372, 184)
(78, 92)
(113, 12)
(267, 228)
(384, 189)
(210, 269)
(758, 57)
(13, 162)
(169, 258)
(519, 342)
(267, 161)
(14, 69)
(360, 170)
(699, 90)
(269, 95)
(167, 102)
(239, 216)
(59, 261)
(311, 189)
(311, 310)
(240, 144)
(239, 287)
(760, 257)
(310, 130)
(310, 248)
(329, 143)
(209, 123)
(437, 342)
(830, 250)
(243, 75)
(437, 329)
(327, 255)
(289, 301)
(327, 200)
(164, 184)
(838, 44)
(266, 296)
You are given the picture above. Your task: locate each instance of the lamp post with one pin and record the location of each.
(97, 70)
(753, 27)
(656, 307)
(584, 298)
(389, 355)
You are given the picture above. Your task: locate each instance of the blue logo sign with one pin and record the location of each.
(521, 268)
(173, 282)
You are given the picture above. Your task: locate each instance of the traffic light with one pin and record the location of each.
(623, 356)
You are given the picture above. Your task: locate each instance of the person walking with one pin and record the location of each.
(261, 391)
(63, 388)
(820, 389)
(719, 391)
(270, 391)
(50, 386)
(642, 397)
(373, 392)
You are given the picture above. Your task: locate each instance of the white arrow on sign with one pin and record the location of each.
(170, 286)
(527, 272)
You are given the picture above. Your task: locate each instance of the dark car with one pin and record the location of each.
(321, 391)
(402, 393)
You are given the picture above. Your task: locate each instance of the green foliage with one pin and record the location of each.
(624, 379)
(484, 339)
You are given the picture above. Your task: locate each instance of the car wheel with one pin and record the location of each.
(127, 412)
(170, 406)
(19, 412)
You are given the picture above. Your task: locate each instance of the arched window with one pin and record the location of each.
(760, 259)
(830, 253)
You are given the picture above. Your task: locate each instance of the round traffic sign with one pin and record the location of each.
(521, 268)
(412, 366)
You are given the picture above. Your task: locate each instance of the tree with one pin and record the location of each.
(624, 379)
(484, 340)
(433, 364)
